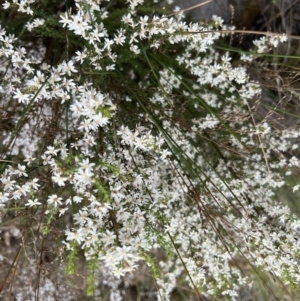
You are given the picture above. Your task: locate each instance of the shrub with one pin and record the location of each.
(128, 134)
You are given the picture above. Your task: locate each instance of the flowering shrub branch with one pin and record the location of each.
(138, 136)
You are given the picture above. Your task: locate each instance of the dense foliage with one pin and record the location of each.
(132, 137)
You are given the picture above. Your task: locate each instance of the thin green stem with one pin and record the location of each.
(185, 267)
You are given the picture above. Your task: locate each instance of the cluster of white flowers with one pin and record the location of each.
(22, 6)
(193, 172)
(35, 23)
(265, 43)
